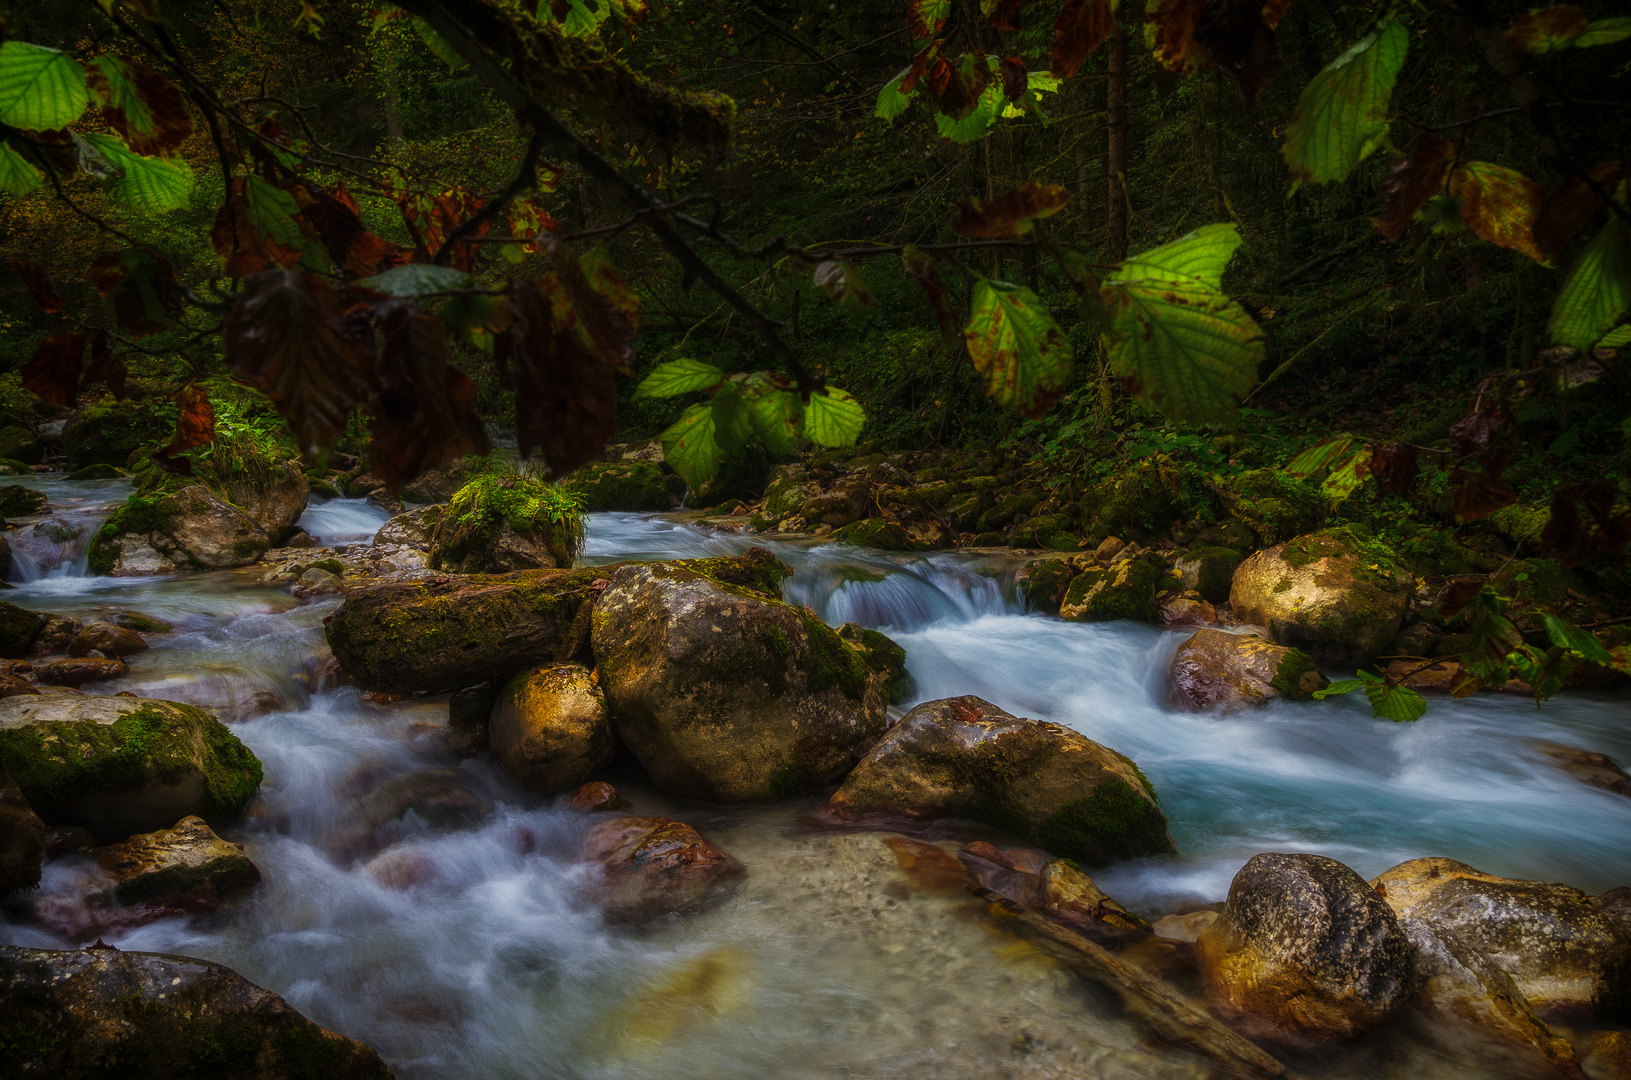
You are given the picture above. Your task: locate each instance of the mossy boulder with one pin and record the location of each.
(1273, 505)
(620, 485)
(118, 766)
(880, 653)
(1339, 597)
(1307, 949)
(1044, 583)
(787, 495)
(875, 533)
(1210, 571)
(497, 524)
(101, 1014)
(19, 444)
(18, 629)
(22, 839)
(98, 472)
(1125, 590)
(413, 528)
(549, 728)
(725, 695)
(110, 431)
(19, 501)
(186, 866)
(1218, 670)
(273, 497)
(193, 528)
(965, 757)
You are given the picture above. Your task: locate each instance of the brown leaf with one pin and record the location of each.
(1010, 213)
(426, 412)
(1477, 430)
(1546, 29)
(1236, 37)
(103, 368)
(333, 217)
(38, 280)
(921, 267)
(1081, 27)
(565, 397)
(195, 424)
(141, 288)
(1499, 205)
(956, 88)
(157, 122)
(53, 373)
(1412, 182)
(1273, 10)
(926, 17)
(1458, 596)
(602, 320)
(1170, 27)
(921, 60)
(1394, 466)
(1567, 209)
(1478, 493)
(289, 337)
(1015, 79)
(1002, 14)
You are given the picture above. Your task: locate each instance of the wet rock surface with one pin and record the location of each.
(549, 729)
(1218, 670)
(655, 866)
(22, 839)
(965, 757)
(107, 639)
(186, 866)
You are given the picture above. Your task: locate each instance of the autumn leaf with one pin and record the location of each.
(332, 215)
(53, 372)
(956, 89)
(1011, 213)
(141, 289)
(1477, 494)
(1394, 466)
(1022, 356)
(1549, 28)
(290, 337)
(1002, 14)
(565, 395)
(922, 268)
(838, 279)
(1499, 205)
(195, 419)
(1081, 27)
(1015, 78)
(426, 410)
(605, 321)
(38, 280)
(926, 17)
(143, 106)
(103, 367)
(1412, 182)
(1567, 209)
(1237, 37)
(1169, 31)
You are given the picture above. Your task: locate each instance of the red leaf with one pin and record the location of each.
(1477, 430)
(603, 317)
(53, 373)
(1237, 38)
(1478, 494)
(926, 17)
(565, 397)
(167, 124)
(1170, 27)
(921, 60)
(426, 412)
(956, 89)
(348, 241)
(1009, 213)
(290, 337)
(195, 425)
(38, 280)
(1412, 182)
(1567, 209)
(1569, 539)
(1015, 79)
(1081, 27)
(1394, 466)
(1546, 29)
(921, 267)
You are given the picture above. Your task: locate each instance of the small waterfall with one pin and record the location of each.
(343, 521)
(57, 544)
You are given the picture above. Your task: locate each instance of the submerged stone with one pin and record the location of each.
(656, 866)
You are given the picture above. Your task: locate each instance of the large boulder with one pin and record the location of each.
(22, 839)
(494, 525)
(726, 695)
(1123, 590)
(1218, 670)
(1210, 571)
(413, 528)
(19, 628)
(190, 529)
(964, 757)
(107, 639)
(1338, 597)
(186, 867)
(439, 484)
(17, 443)
(1306, 948)
(1565, 954)
(549, 728)
(449, 633)
(1459, 986)
(621, 485)
(656, 866)
(108, 432)
(117, 765)
(19, 501)
(841, 503)
(102, 1014)
(273, 497)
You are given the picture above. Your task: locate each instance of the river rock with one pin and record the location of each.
(109, 431)
(22, 839)
(1124, 590)
(1587, 766)
(117, 765)
(57, 632)
(725, 695)
(549, 729)
(597, 796)
(412, 529)
(845, 501)
(1210, 571)
(1071, 896)
(639, 486)
(439, 484)
(964, 757)
(275, 501)
(107, 639)
(1609, 1057)
(1186, 927)
(19, 501)
(18, 629)
(18, 443)
(186, 866)
(1564, 953)
(102, 1014)
(1305, 946)
(1337, 597)
(193, 528)
(317, 581)
(1457, 984)
(381, 814)
(495, 525)
(656, 866)
(1218, 670)
(78, 672)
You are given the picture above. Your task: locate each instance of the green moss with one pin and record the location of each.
(875, 533)
(755, 569)
(1288, 676)
(1139, 503)
(1376, 563)
(19, 501)
(881, 654)
(833, 662)
(1536, 581)
(532, 508)
(784, 496)
(1097, 596)
(110, 431)
(1275, 506)
(97, 472)
(323, 488)
(1046, 584)
(1114, 822)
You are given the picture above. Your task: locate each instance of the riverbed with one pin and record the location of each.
(420, 902)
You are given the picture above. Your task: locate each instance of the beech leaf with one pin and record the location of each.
(1011, 213)
(1499, 205)
(833, 418)
(1341, 116)
(689, 447)
(678, 377)
(1596, 290)
(1237, 37)
(1549, 28)
(1412, 182)
(140, 104)
(1081, 27)
(1022, 356)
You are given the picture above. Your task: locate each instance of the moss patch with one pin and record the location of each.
(478, 512)
(1288, 676)
(833, 662)
(1114, 822)
(755, 569)
(875, 533)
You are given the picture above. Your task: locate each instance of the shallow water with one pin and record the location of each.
(423, 904)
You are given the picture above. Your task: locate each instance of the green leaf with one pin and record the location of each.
(833, 418)
(1342, 114)
(891, 102)
(777, 415)
(1565, 634)
(1178, 344)
(147, 185)
(40, 89)
(1597, 289)
(1616, 339)
(1198, 256)
(273, 213)
(1398, 703)
(689, 446)
(1346, 686)
(417, 279)
(437, 44)
(1342, 481)
(17, 176)
(679, 377)
(1019, 351)
(732, 427)
(1317, 459)
(977, 124)
(1604, 32)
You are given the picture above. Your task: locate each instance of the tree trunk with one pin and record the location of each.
(1115, 163)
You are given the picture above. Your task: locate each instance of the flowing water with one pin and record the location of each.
(423, 904)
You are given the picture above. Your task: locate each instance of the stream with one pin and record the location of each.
(425, 905)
